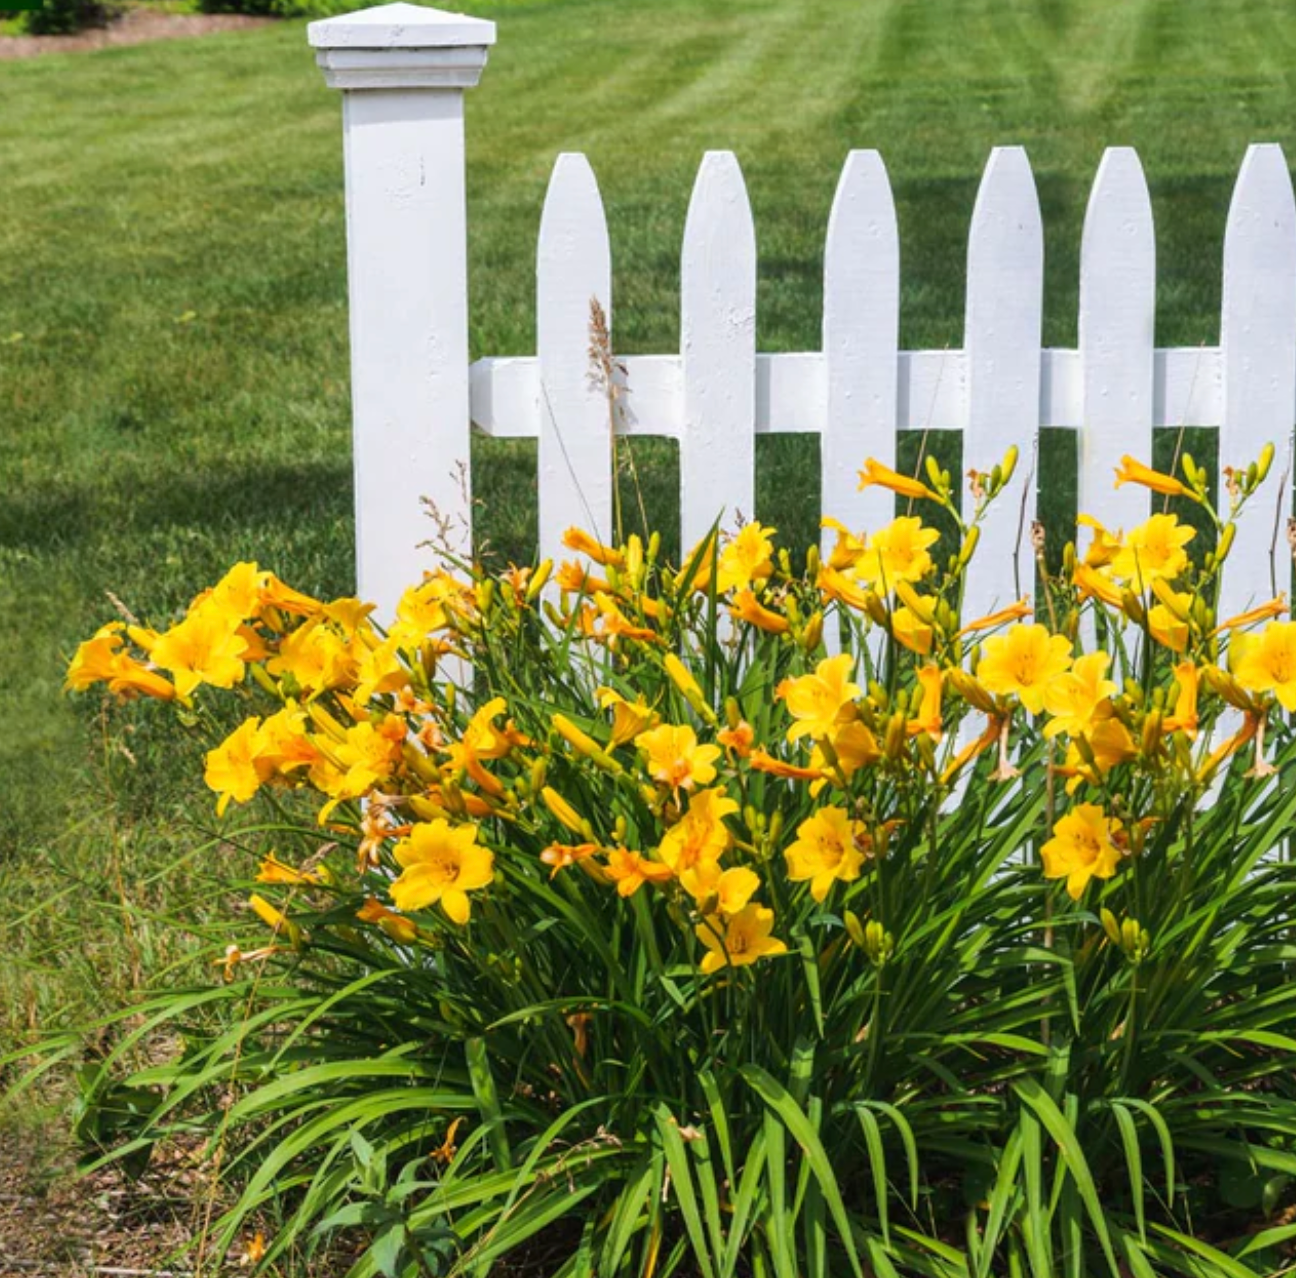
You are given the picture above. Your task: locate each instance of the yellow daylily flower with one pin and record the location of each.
(746, 607)
(1267, 662)
(821, 701)
(631, 870)
(317, 657)
(1014, 612)
(827, 849)
(234, 769)
(839, 587)
(580, 541)
(675, 759)
(746, 559)
(1154, 549)
(1132, 471)
(203, 648)
(875, 472)
(1104, 546)
(848, 547)
(629, 718)
(1022, 663)
(1274, 608)
(1092, 583)
(1079, 696)
(720, 891)
(898, 552)
(1107, 743)
(402, 930)
(441, 864)
(1082, 848)
(745, 939)
(928, 719)
(700, 836)
(1184, 718)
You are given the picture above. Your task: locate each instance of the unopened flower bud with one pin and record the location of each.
(1110, 925)
(813, 633)
(1225, 542)
(1263, 462)
(854, 928)
(968, 548)
(895, 736)
(538, 579)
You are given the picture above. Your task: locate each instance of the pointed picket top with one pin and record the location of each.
(718, 351)
(1002, 334)
(861, 328)
(1117, 328)
(1258, 340)
(400, 26)
(573, 269)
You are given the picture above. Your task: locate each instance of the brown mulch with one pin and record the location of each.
(54, 1223)
(137, 26)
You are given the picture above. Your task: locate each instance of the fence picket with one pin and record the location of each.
(718, 351)
(1002, 333)
(861, 329)
(573, 266)
(1258, 340)
(1117, 325)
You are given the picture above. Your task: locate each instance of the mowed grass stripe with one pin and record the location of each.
(172, 251)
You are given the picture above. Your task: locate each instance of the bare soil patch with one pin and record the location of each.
(136, 26)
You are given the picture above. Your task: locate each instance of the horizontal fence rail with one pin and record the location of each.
(414, 391)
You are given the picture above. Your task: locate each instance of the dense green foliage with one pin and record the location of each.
(173, 378)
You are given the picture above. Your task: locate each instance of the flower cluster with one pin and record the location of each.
(742, 741)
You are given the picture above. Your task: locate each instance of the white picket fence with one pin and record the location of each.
(403, 71)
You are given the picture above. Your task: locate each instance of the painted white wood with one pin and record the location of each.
(573, 267)
(1258, 340)
(861, 331)
(400, 26)
(791, 392)
(407, 280)
(718, 351)
(1116, 331)
(1005, 297)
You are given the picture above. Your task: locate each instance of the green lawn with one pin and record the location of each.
(173, 373)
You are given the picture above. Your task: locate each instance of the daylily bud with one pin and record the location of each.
(938, 480)
(1132, 608)
(969, 547)
(813, 632)
(854, 928)
(1110, 926)
(1009, 464)
(1225, 542)
(812, 561)
(895, 736)
(879, 944)
(733, 712)
(1224, 685)
(538, 579)
(878, 695)
(970, 690)
(875, 608)
(1152, 733)
(1263, 462)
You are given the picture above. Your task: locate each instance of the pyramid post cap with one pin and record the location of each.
(401, 26)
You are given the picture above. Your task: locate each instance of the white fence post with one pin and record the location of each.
(1258, 339)
(573, 266)
(718, 352)
(1002, 334)
(402, 70)
(861, 329)
(1117, 317)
